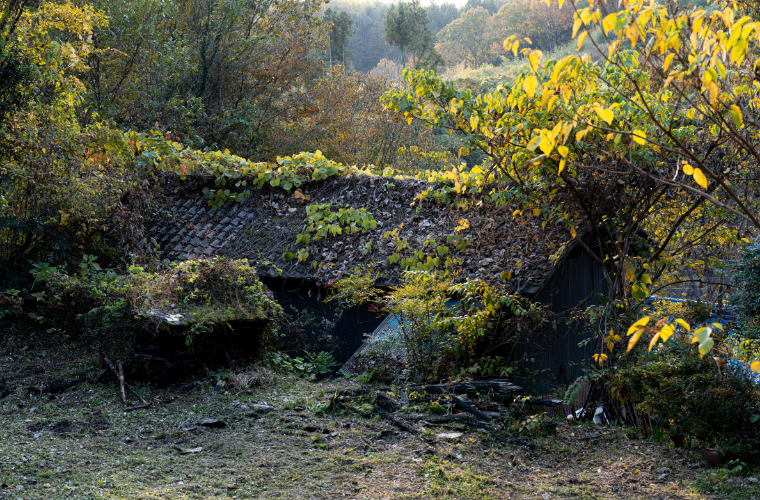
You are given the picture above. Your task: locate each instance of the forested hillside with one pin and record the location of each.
(511, 219)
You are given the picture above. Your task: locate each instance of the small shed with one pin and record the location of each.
(265, 229)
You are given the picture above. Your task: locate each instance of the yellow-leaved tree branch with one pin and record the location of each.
(675, 81)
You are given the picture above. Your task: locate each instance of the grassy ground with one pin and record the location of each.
(510, 70)
(81, 444)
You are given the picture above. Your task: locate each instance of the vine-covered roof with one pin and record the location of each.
(479, 238)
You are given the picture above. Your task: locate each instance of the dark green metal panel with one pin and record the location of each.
(551, 358)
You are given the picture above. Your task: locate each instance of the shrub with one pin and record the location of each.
(446, 327)
(694, 401)
(315, 366)
(199, 294)
(746, 299)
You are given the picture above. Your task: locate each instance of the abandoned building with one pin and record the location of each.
(266, 227)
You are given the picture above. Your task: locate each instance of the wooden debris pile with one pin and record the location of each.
(476, 404)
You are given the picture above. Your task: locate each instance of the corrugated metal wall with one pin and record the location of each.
(551, 358)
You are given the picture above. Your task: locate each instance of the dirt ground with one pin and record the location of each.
(80, 443)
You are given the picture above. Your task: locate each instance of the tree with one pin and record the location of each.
(440, 15)
(547, 26)
(341, 30)
(406, 28)
(351, 126)
(652, 155)
(62, 185)
(218, 73)
(488, 5)
(12, 69)
(469, 39)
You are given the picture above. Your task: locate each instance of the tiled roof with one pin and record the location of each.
(261, 227)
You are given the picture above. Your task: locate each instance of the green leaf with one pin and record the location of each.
(705, 346)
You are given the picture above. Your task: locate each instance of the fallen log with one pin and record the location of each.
(390, 418)
(477, 386)
(470, 409)
(138, 407)
(57, 387)
(505, 399)
(543, 401)
(387, 402)
(438, 419)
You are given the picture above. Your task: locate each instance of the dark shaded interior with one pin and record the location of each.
(307, 295)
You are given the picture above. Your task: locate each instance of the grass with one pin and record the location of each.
(510, 69)
(80, 444)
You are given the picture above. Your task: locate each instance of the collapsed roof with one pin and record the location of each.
(265, 227)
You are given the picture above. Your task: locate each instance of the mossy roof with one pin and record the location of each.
(261, 227)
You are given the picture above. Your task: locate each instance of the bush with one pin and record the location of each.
(746, 300)
(446, 328)
(694, 401)
(198, 294)
(314, 367)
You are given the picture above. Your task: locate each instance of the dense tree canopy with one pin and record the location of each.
(657, 140)
(218, 73)
(470, 39)
(406, 28)
(341, 30)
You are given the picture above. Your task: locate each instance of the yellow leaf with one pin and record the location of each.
(736, 115)
(601, 358)
(605, 114)
(653, 341)
(666, 332)
(514, 214)
(572, 232)
(582, 39)
(755, 366)
(563, 151)
(576, 25)
(688, 169)
(474, 120)
(463, 224)
(684, 324)
(561, 166)
(533, 144)
(545, 145)
(668, 61)
(536, 212)
(700, 178)
(635, 338)
(640, 323)
(639, 137)
(534, 58)
(701, 334)
(529, 84)
(713, 88)
(580, 135)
